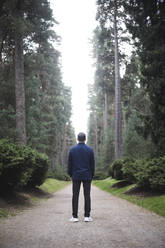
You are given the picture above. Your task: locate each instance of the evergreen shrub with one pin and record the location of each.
(129, 168)
(61, 176)
(11, 165)
(147, 173)
(116, 169)
(40, 168)
(18, 166)
(151, 173)
(110, 171)
(58, 175)
(100, 175)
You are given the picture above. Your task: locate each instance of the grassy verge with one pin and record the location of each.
(53, 185)
(14, 203)
(3, 213)
(154, 203)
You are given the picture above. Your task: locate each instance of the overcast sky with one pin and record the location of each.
(77, 22)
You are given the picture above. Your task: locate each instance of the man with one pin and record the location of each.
(81, 166)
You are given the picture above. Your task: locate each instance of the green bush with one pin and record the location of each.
(110, 171)
(62, 177)
(141, 176)
(18, 166)
(11, 165)
(129, 168)
(116, 169)
(151, 173)
(40, 168)
(27, 165)
(59, 175)
(100, 175)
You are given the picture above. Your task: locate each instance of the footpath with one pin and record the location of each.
(117, 224)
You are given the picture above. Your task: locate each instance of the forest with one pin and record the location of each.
(126, 102)
(35, 105)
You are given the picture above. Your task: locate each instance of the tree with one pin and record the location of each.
(19, 84)
(135, 104)
(48, 100)
(101, 99)
(107, 77)
(118, 111)
(146, 23)
(109, 15)
(48, 105)
(23, 21)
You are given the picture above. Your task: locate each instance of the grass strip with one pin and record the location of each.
(52, 185)
(155, 204)
(3, 213)
(18, 201)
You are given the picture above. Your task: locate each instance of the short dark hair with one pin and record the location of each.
(81, 137)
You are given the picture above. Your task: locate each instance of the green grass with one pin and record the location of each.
(3, 213)
(28, 198)
(52, 185)
(152, 203)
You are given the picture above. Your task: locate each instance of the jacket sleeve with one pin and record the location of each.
(92, 163)
(70, 164)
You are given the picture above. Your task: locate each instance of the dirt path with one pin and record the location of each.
(117, 224)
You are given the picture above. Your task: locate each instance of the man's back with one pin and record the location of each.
(81, 167)
(81, 162)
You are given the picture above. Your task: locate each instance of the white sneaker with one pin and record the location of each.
(88, 219)
(73, 219)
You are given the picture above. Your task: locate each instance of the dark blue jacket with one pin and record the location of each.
(81, 163)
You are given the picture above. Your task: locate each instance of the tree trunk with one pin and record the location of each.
(52, 162)
(63, 150)
(19, 90)
(105, 112)
(118, 110)
(96, 135)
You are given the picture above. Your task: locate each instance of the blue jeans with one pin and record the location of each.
(75, 198)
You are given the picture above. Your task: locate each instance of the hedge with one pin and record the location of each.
(123, 169)
(20, 166)
(129, 170)
(116, 169)
(100, 175)
(149, 173)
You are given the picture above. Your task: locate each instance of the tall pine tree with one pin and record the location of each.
(147, 25)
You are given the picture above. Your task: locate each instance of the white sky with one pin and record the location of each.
(77, 22)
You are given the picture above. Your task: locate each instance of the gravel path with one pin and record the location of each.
(117, 224)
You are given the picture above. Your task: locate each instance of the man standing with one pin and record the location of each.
(81, 166)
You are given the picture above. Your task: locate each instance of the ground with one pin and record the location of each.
(117, 224)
